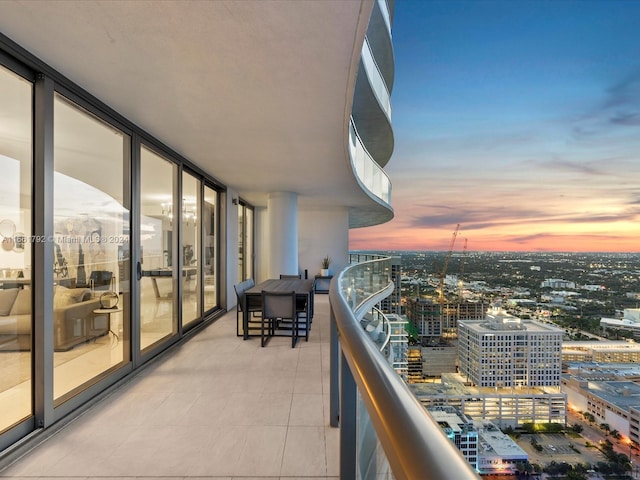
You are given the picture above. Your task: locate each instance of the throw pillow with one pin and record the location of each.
(22, 305)
(68, 296)
(7, 297)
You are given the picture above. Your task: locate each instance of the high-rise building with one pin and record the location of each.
(393, 304)
(505, 351)
(434, 320)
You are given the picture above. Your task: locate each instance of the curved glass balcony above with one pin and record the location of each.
(375, 78)
(384, 9)
(367, 170)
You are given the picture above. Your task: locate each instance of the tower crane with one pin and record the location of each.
(460, 281)
(443, 272)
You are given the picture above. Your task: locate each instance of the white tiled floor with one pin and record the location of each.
(215, 407)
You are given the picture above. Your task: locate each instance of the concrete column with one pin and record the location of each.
(282, 213)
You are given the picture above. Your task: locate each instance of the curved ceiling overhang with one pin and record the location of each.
(256, 93)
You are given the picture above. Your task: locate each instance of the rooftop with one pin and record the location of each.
(623, 394)
(505, 323)
(491, 441)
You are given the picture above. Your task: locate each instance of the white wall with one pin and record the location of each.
(616, 422)
(576, 399)
(261, 245)
(322, 233)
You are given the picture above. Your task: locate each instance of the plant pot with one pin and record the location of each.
(325, 272)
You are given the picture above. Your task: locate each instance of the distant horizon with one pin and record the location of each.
(374, 250)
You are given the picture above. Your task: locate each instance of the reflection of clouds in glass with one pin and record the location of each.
(9, 181)
(150, 233)
(74, 198)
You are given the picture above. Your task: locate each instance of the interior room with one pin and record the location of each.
(91, 288)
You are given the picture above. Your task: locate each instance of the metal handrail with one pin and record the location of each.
(415, 445)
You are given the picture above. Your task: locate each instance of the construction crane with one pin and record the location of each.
(443, 272)
(460, 281)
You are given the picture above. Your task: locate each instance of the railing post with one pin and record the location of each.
(334, 372)
(348, 422)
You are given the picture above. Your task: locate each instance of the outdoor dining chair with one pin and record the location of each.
(278, 313)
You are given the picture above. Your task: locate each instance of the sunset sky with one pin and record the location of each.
(518, 120)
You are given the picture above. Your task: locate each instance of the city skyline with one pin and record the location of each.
(520, 121)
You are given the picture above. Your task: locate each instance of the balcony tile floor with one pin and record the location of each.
(215, 407)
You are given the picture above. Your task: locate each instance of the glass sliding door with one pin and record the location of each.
(91, 314)
(191, 249)
(15, 252)
(158, 248)
(209, 232)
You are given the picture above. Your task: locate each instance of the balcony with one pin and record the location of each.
(219, 406)
(215, 406)
(370, 174)
(376, 80)
(371, 109)
(379, 39)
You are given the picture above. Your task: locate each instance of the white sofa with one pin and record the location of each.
(73, 319)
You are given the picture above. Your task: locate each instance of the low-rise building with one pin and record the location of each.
(630, 321)
(557, 283)
(498, 454)
(482, 444)
(460, 431)
(600, 351)
(505, 407)
(616, 403)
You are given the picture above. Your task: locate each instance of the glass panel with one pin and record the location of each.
(245, 242)
(241, 246)
(15, 254)
(190, 249)
(91, 243)
(248, 242)
(157, 202)
(209, 243)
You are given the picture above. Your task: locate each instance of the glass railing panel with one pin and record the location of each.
(375, 78)
(372, 176)
(384, 9)
(372, 463)
(413, 443)
(364, 280)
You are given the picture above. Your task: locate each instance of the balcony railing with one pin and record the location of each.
(384, 9)
(385, 432)
(370, 174)
(375, 78)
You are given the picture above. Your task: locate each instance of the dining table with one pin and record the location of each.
(303, 287)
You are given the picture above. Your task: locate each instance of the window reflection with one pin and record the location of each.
(91, 245)
(158, 319)
(15, 249)
(209, 243)
(191, 247)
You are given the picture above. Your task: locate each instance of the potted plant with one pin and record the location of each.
(324, 271)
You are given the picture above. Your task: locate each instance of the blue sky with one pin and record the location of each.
(519, 120)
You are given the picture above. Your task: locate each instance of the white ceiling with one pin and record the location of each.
(255, 92)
